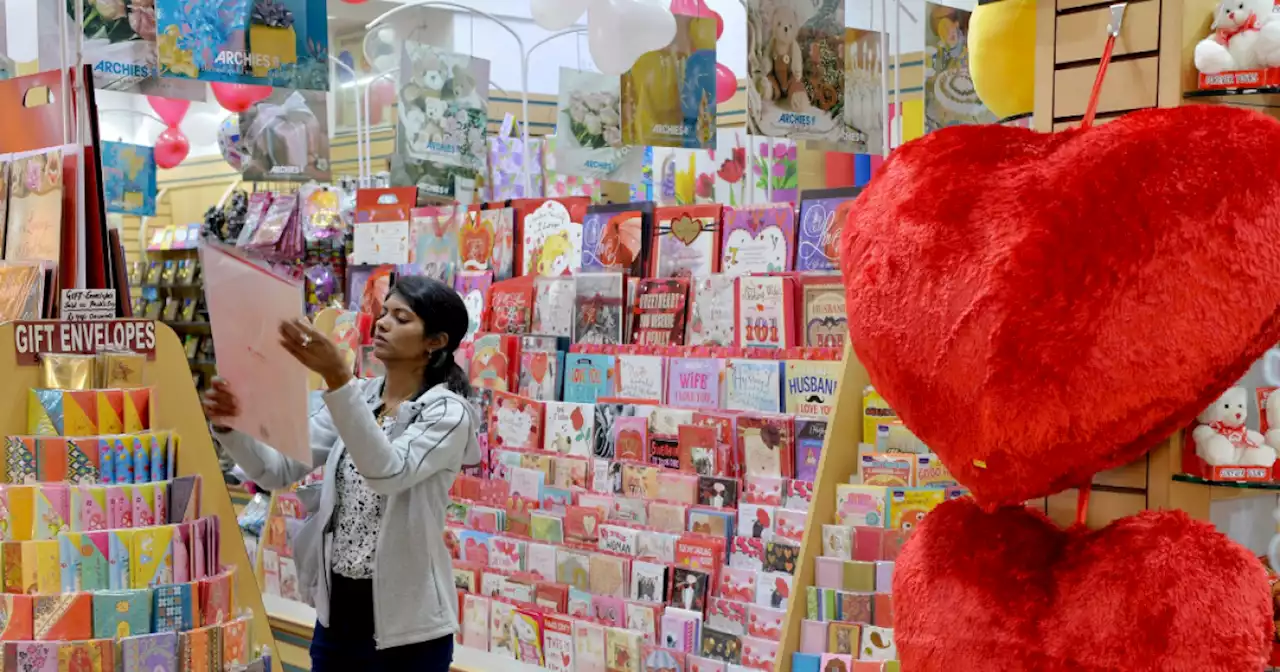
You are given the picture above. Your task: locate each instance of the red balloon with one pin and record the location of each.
(169, 110)
(171, 148)
(726, 83)
(238, 97)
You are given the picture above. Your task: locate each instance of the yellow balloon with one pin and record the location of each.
(1002, 55)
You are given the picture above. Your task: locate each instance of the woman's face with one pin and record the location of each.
(398, 335)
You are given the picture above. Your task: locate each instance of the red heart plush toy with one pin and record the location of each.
(1038, 308)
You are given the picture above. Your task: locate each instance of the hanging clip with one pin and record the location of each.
(1117, 18)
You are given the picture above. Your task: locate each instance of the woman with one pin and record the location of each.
(372, 558)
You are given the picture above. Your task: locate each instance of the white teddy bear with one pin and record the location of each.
(1244, 38)
(1222, 437)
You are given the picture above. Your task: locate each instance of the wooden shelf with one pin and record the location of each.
(1264, 97)
(174, 405)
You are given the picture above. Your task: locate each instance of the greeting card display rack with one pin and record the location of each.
(174, 406)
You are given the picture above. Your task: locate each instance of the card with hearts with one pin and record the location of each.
(515, 422)
(661, 306)
(557, 642)
(553, 305)
(758, 239)
(599, 306)
(790, 524)
(737, 584)
(773, 589)
(686, 241)
(540, 375)
(711, 318)
(551, 242)
(781, 555)
(721, 645)
(613, 238)
(622, 649)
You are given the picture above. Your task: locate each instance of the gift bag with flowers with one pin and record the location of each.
(557, 184)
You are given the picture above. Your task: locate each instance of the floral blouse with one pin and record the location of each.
(356, 516)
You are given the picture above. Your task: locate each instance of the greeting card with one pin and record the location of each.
(473, 287)
(67, 616)
(824, 319)
(121, 613)
(486, 242)
(599, 309)
(765, 442)
(589, 377)
(810, 435)
(822, 216)
(568, 427)
(686, 241)
(515, 422)
(753, 385)
(694, 382)
(588, 646)
(511, 305)
(660, 312)
(764, 312)
(641, 377)
(614, 237)
(758, 239)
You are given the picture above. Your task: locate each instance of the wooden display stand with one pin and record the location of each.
(174, 405)
(839, 460)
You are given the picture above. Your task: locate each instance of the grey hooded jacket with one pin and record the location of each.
(413, 463)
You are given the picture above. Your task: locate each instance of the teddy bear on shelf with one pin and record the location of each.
(785, 80)
(1222, 437)
(1272, 413)
(1244, 37)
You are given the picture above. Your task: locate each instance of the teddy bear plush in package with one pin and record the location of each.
(1246, 36)
(1222, 439)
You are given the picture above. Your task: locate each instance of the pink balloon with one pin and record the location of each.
(169, 110)
(719, 23)
(171, 148)
(238, 97)
(686, 7)
(726, 83)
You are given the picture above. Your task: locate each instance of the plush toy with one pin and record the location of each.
(1222, 437)
(1002, 55)
(786, 73)
(1272, 413)
(1244, 38)
(1069, 318)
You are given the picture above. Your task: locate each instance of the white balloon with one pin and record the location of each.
(557, 14)
(621, 31)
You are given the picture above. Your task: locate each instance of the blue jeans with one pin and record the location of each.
(347, 644)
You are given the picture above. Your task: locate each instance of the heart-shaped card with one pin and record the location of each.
(1040, 307)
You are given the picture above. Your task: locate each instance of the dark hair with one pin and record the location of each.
(441, 311)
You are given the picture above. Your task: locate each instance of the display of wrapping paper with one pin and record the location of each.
(16, 617)
(508, 158)
(156, 652)
(63, 617)
(121, 613)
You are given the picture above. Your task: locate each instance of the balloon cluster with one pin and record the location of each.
(726, 81)
(618, 31)
(172, 145)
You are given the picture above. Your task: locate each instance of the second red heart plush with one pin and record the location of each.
(1010, 591)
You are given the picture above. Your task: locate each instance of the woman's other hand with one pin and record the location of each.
(220, 403)
(315, 351)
